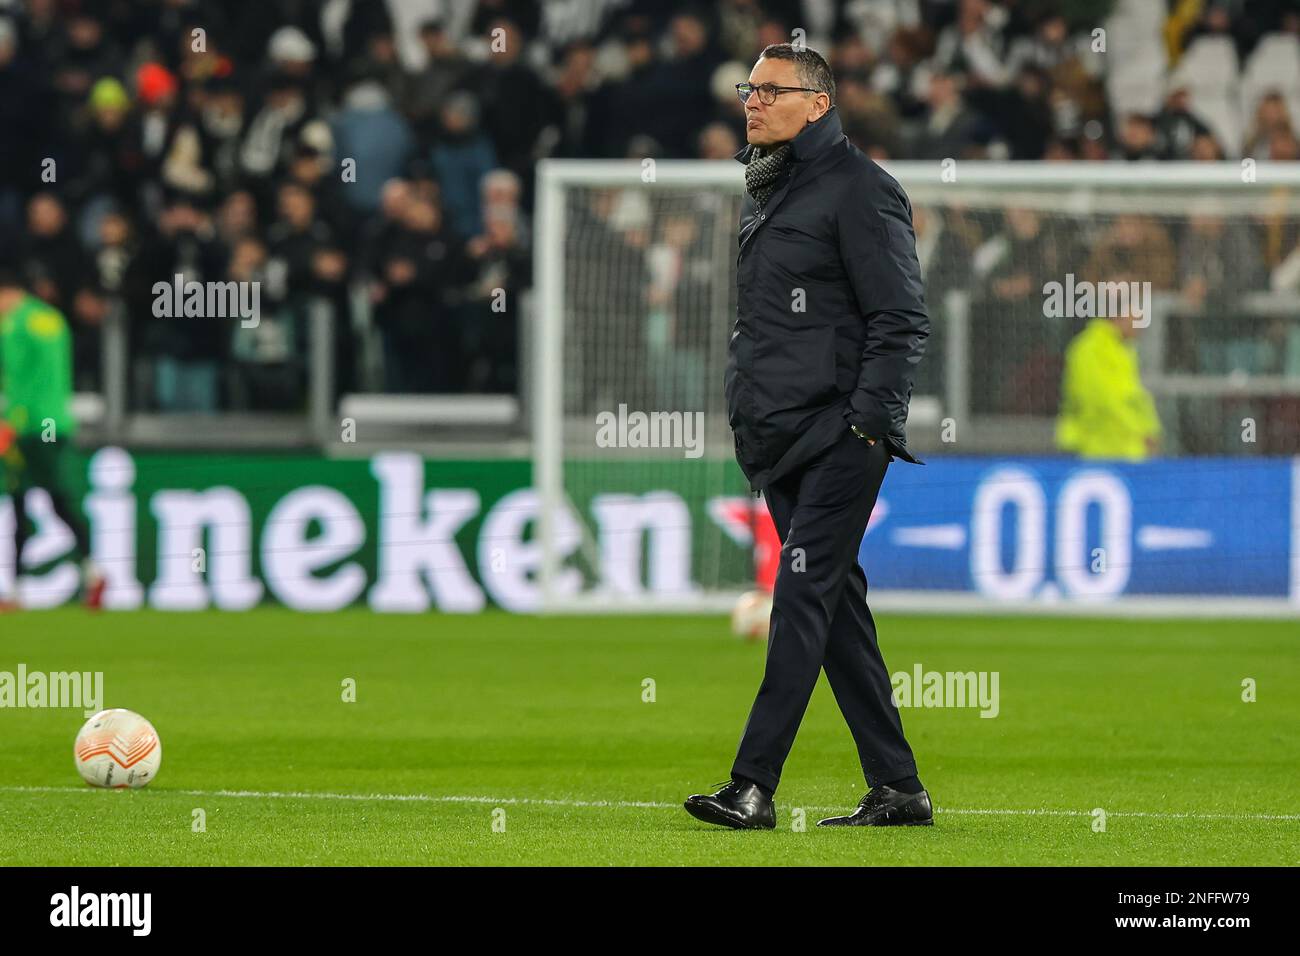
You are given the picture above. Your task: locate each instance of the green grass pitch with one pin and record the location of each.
(540, 723)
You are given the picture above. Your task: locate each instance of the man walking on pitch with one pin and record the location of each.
(830, 325)
(36, 425)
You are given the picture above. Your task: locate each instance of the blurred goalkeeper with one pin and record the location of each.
(36, 425)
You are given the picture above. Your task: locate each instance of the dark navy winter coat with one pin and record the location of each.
(830, 316)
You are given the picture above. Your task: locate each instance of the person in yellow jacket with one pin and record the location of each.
(1106, 412)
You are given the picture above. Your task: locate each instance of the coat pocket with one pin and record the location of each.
(796, 369)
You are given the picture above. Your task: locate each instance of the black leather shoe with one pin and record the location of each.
(887, 807)
(740, 804)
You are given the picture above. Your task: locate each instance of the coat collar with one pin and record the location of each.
(813, 140)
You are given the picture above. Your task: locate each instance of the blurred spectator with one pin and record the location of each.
(53, 260)
(1138, 139)
(379, 61)
(975, 44)
(1106, 411)
(630, 95)
(264, 375)
(107, 157)
(113, 255)
(869, 118)
(718, 141)
(84, 55)
(1206, 149)
(678, 84)
(415, 290)
(1029, 120)
(1284, 147)
(291, 55)
(950, 128)
(178, 360)
(275, 132)
(737, 29)
(679, 287)
(314, 171)
(1176, 129)
(57, 269)
(156, 90)
(1017, 345)
(515, 100)
(501, 190)
(1133, 248)
(446, 69)
(1271, 125)
(461, 157)
(374, 136)
(1048, 47)
(237, 218)
(204, 154)
(574, 110)
(1217, 261)
(501, 264)
(306, 262)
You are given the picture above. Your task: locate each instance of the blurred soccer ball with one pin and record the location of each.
(118, 748)
(750, 616)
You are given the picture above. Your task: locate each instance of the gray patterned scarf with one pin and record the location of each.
(763, 170)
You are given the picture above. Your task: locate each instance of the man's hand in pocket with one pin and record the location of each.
(857, 431)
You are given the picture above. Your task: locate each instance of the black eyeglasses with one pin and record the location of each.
(768, 92)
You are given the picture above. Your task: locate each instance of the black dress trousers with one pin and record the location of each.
(820, 618)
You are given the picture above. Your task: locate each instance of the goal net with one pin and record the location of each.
(641, 502)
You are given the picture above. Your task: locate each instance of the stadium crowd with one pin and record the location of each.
(379, 156)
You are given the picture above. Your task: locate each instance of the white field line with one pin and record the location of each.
(636, 804)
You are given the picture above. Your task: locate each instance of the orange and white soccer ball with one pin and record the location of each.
(750, 616)
(118, 748)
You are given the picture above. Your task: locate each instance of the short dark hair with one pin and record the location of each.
(810, 66)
